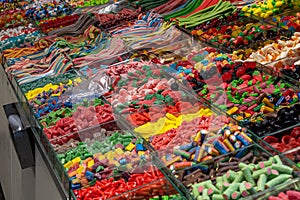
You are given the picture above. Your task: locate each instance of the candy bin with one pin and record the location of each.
(237, 34)
(287, 20)
(104, 157)
(251, 172)
(286, 142)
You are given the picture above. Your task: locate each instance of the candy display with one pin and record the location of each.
(140, 99)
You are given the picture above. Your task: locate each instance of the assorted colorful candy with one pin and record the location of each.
(127, 93)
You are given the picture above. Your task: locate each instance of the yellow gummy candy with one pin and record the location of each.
(278, 3)
(91, 163)
(101, 157)
(79, 170)
(76, 160)
(119, 151)
(130, 147)
(257, 11)
(68, 164)
(245, 8)
(110, 156)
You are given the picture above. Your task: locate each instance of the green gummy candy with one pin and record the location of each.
(261, 182)
(257, 173)
(247, 174)
(230, 175)
(195, 192)
(278, 180)
(243, 189)
(277, 160)
(209, 185)
(283, 169)
(242, 165)
(205, 194)
(232, 188)
(217, 197)
(239, 177)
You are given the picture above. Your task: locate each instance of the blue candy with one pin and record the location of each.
(89, 175)
(140, 147)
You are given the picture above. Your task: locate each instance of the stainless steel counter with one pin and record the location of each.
(33, 183)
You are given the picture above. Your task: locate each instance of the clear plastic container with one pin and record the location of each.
(225, 165)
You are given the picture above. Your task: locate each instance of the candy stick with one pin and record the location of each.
(257, 173)
(248, 175)
(217, 197)
(232, 188)
(182, 153)
(243, 189)
(282, 168)
(277, 160)
(212, 188)
(239, 177)
(205, 194)
(250, 188)
(230, 175)
(272, 173)
(278, 180)
(261, 182)
(225, 186)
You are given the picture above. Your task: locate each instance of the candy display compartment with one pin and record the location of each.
(228, 80)
(90, 9)
(252, 167)
(169, 53)
(113, 157)
(272, 54)
(103, 64)
(13, 18)
(266, 9)
(80, 118)
(273, 122)
(158, 188)
(271, 87)
(238, 34)
(154, 92)
(286, 142)
(288, 68)
(116, 15)
(287, 20)
(51, 24)
(287, 191)
(156, 39)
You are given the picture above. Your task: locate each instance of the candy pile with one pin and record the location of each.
(166, 99)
